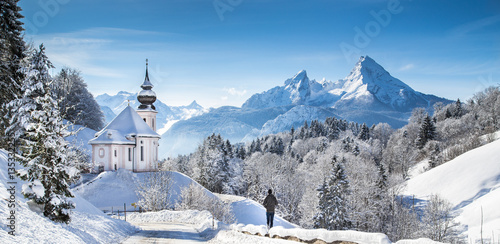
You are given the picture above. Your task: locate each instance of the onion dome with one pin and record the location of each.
(146, 97)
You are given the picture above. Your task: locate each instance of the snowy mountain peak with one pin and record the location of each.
(299, 82)
(124, 93)
(370, 72)
(298, 87)
(369, 81)
(368, 86)
(194, 105)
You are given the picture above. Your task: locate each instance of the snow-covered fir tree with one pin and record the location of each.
(12, 54)
(36, 122)
(364, 133)
(333, 206)
(76, 103)
(213, 164)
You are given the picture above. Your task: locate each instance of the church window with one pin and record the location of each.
(142, 153)
(101, 152)
(115, 153)
(153, 123)
(129, 154)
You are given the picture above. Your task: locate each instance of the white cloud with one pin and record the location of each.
(234, 92)
(407, 67)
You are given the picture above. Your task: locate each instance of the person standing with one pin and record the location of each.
(270, 204)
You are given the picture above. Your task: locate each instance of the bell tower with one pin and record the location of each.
(147, 97)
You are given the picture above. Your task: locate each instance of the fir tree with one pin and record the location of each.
(333, 208)
(46, 158)
(458, 110)
(426, 133)
(364, 134)
(12, 53)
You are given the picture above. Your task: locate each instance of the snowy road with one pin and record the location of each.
(165, 233)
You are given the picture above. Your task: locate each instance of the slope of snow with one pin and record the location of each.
(88, 224)
(113, 189)
(469, 182)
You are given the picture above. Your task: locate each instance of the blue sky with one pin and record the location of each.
(220, 52)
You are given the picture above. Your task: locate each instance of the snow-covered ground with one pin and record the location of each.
(471, 183)
(113, 189)
(88, 224)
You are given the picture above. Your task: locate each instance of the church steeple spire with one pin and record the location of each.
(146, 97)
(146, 85)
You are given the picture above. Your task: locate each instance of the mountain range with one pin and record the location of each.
(167, 115)
(369, 94)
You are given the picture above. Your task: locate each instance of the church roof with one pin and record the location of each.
(124, 127)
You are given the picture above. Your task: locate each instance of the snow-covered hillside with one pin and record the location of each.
(369, 94)
(88, 224)
(111, 105)
(113, 189)
(471, 182)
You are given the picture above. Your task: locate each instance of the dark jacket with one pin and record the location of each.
(270, 203)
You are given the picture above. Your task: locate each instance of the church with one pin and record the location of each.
(130, 140)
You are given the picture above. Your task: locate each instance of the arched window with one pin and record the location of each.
(101, 152)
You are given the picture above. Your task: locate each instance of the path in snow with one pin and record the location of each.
(165, 233)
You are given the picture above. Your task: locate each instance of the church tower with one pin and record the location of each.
(147, 97)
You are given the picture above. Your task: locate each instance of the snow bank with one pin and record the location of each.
(315, 234)
(469, 182)
(88, 224)
(418, 241)
(310, 235)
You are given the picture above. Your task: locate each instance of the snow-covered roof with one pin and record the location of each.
(123, 128)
